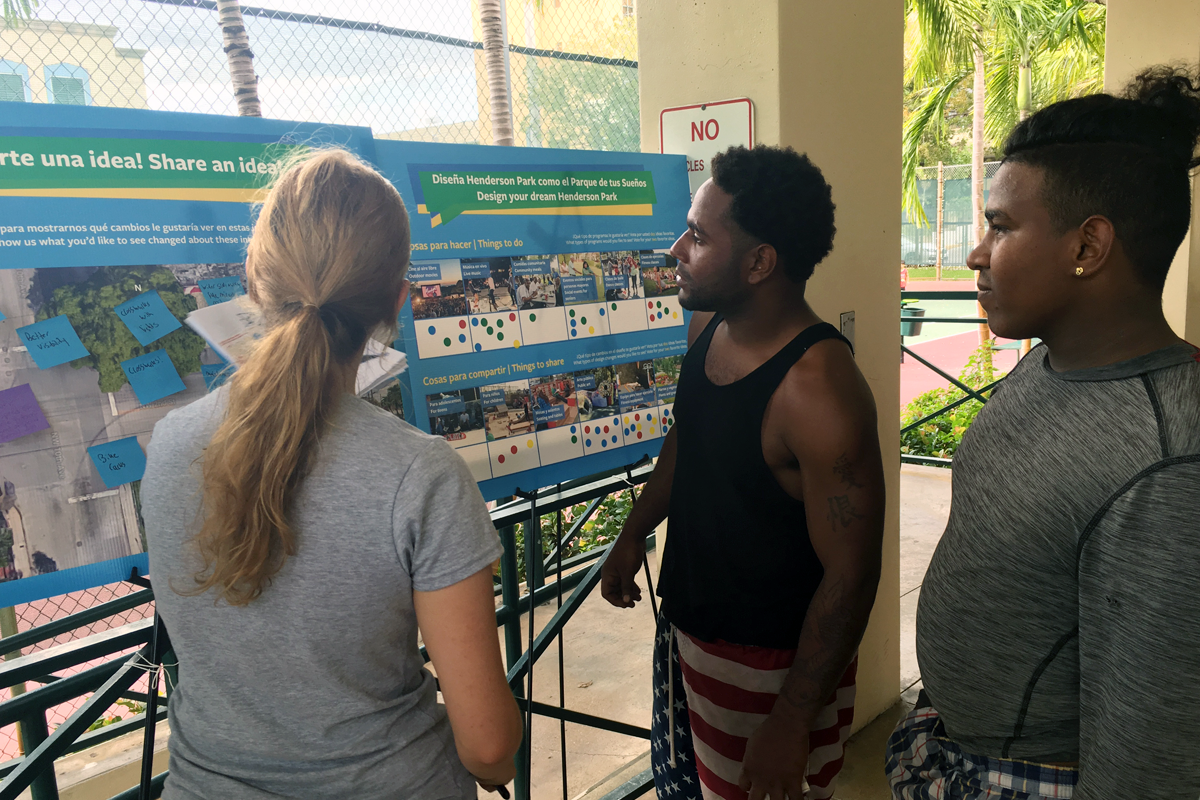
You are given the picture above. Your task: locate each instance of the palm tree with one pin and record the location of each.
(495, 50)
(16, 11)
(239, 56)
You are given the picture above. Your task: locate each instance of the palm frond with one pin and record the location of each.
(943, 36)
(17, 12)
(930, 112)
(1000, 114)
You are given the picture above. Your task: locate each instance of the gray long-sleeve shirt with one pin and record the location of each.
(1060, 617)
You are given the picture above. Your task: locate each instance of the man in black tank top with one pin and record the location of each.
(772, 484)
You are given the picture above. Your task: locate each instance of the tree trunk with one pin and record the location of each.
(977, 176)
(239, 57)
(495, 49)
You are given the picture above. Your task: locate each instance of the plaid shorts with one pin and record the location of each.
(923, 763)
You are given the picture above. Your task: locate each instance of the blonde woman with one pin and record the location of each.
(298, 537)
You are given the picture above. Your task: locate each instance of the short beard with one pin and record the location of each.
(723, 296)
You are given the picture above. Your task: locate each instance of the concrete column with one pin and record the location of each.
(1141, 33)
(825, 78)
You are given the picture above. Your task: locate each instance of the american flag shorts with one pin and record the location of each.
(923, 763)
(709, 698)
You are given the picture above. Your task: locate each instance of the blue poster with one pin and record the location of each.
(544, 321)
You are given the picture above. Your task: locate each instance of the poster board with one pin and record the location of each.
(116, 223)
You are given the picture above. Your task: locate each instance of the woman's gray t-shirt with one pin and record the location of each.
(316, 688)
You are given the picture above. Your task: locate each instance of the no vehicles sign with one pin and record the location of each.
(702, 130)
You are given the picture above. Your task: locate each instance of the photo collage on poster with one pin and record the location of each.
(501, 429)
(475, 305)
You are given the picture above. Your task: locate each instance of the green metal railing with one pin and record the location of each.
(970, 394)
(550, 577)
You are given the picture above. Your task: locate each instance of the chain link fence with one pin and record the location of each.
(31, 615)
(919, 243)
(408, 69)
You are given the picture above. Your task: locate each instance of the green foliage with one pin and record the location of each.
(941, 436)
(113, 717)
(89, 306)
(578, 105)
(6, 539)
(601, 529)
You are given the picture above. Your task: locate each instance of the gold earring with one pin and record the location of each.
(1079, 272)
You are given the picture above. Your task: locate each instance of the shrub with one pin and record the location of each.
(941, 436)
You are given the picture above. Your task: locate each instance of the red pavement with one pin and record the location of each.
(950, 353)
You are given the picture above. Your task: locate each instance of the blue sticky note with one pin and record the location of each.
(152, 376)
(218, 290)
(147, 317)
(52, 342)
(2, 317)
(215, 374)
(119, 462)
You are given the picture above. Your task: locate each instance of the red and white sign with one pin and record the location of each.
(702, 130)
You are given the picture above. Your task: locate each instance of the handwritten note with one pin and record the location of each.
(215, 374)
(147, 317)
(52, 342)
(152, 376)
(218, 290)
(20, 414)
(119, 462)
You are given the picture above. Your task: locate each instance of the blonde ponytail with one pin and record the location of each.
(326, 263)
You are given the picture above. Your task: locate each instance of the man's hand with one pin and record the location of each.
(775, 761)
(617, 584)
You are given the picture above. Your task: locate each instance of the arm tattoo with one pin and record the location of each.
(845, 470)
(833, 627)
(842, 512)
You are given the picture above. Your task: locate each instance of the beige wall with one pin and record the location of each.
(1141, 33)
(825, 78)
(115, 74)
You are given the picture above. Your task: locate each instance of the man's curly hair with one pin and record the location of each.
(780, 198)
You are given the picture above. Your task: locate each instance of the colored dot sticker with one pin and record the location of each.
(639, 434)
(514, 449)
(572, 323)
(637, 417)
(658, 304)
(432, 330)
(483, 322)
(574, 440)
(614, 439)
(573, 429)
(674, 315)
(446, 341)
(614, 306)
(462, 323)
(499, 323)
(529, 442)
(478, 347)
(512, 317)
(626, 420)
(500, 337)
(587, 442)
(583, 320)
(500, 458)
(574, 332)
(533, 317)
(626, 431)
(606, 429)
(591, 329)
(516, 343)
(587, 428)
(602, 312)
(475, 322)
(649, 305)
(604, 442)
(572, 312)
(491, 331)
(462, 337)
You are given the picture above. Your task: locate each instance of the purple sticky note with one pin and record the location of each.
(20, 414)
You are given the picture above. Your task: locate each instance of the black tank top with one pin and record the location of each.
(738, 564)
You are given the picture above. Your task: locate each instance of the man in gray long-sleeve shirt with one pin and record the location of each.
(1058, 631)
